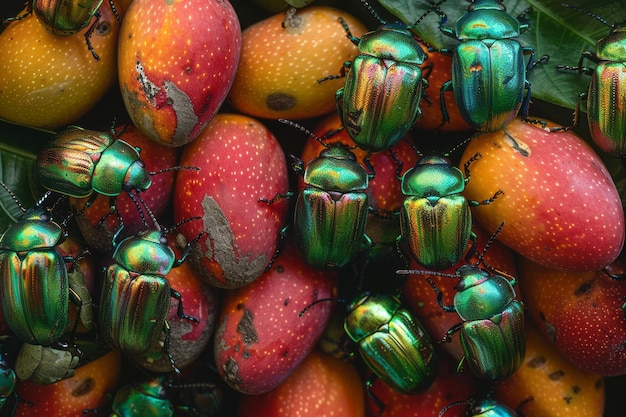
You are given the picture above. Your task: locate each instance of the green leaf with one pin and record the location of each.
(556, 30)
(18, 150)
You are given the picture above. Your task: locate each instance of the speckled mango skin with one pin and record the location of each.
(580, 313)
(557, 387)
(280, 66)
(177, 61)
(551, 181)
(49, 81)
(240, 162)
(261, 337)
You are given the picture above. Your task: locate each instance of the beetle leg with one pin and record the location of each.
(472, 249)
(459, 366)
(180, 312)
(490, 200)
(368, 164)
(282, 237)
(29, 10)
(446, 308)
(77, 301)
(467, 164)
(582, 96)
(445, 87)
(166, 346)
(379, 403)
(342, 73)
(88, 33)
(443, 18)
(277, 197)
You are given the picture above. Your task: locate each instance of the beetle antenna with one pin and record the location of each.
(588, 13)
(180, 223)
(115, 12)
(374, 13)
(314, 303)
(492, 238)
(433, 7)
(481, 257)
(460, 145)
(303, 129)
(136, 197)
(454, 404)
(43, 198)
(14, 197)
(173, 169)
(424, 272)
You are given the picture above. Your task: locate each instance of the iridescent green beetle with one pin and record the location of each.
(147, 398)
(379, 102)
(606, 97)
(331, 210)
(487, 407)
(135, 298)
(492, 331)
(435, 218)
(82, 163)
(34, 284)
(392, 343)
(489, 72)
(67, 17)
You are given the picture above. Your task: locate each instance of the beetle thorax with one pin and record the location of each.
(394, 43)
(145, 254)
(613, 47)
(481, 295)
(487, 24)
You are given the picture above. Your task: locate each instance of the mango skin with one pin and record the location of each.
(177, 61)
(49, 81)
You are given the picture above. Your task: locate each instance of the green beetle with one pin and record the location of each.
(487, 407)
(67, 17)
(489, 72)
(435, 218)
(492, 328)
(135, 297)
(392, 342)
(34, 288)
(379, 102)
(606, 97)
(147, 398)
(82, 163)
(331, 210)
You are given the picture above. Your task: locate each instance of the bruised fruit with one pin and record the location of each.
(560, 205)
(177, 61)
(261, 336)
(240, 163)
(282, 59)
